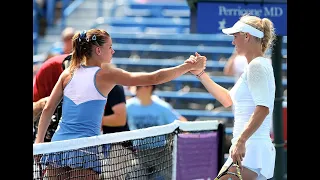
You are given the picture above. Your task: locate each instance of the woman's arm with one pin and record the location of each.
(37, 107)
(117, 102)
(118, 118)
(48, 110)
(217, 91)
(160, 76)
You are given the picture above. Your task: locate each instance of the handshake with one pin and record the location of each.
(198, 62)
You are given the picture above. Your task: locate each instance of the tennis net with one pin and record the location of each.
(180, 150)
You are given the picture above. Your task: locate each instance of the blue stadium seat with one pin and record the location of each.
(161, 30)
(227, 81)
(174, 39)
(180, 13)
(159, 5)
(177, 39)
(117, 29)
(189, 113)
(171, 51)
(143, 22)
(160, 63)
(138, 13)
(194, 96)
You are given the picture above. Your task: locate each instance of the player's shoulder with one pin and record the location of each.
(259, 64)
(260, 61)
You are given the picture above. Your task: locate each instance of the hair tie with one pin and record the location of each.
(82, 35)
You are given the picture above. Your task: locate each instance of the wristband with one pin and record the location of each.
(198, 75)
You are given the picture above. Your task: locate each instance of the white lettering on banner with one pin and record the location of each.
(266, 11)
(273, 12)
(223, 11)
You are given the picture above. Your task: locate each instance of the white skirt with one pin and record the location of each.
(260, 155)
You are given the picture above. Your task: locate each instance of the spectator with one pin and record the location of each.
(65, 46)
(115, 114)
(145, 110)
(235, 66)
(47, 76)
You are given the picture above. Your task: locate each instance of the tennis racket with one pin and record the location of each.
(229, 174)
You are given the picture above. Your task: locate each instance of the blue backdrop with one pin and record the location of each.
(214, 16)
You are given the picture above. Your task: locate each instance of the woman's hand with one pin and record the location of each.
(192, 59)
(238, 152)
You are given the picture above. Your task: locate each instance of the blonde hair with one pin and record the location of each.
(265, 25)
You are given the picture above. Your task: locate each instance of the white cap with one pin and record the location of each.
(243, 27)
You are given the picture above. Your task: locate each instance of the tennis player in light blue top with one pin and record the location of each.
(84, 87)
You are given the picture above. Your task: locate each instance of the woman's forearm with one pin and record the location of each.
(43, 125)
(217, 91)
(167, 74)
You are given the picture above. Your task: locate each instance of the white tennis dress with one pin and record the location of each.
(256, 86)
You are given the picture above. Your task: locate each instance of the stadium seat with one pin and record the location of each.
(211, 65)
(189, 113)
(159, 5)
(143, 22)
(181, 13)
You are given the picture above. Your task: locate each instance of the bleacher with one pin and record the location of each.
(149, 36)
(153, 35)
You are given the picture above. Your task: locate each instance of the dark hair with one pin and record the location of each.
(153, 87)
(82, 44)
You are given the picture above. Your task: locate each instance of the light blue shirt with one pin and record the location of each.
(157, 113)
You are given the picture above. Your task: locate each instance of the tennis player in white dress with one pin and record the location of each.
(252, 98)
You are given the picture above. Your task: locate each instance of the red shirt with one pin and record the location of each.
(47, 76)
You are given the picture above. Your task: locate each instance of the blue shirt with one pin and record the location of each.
(157, 113)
